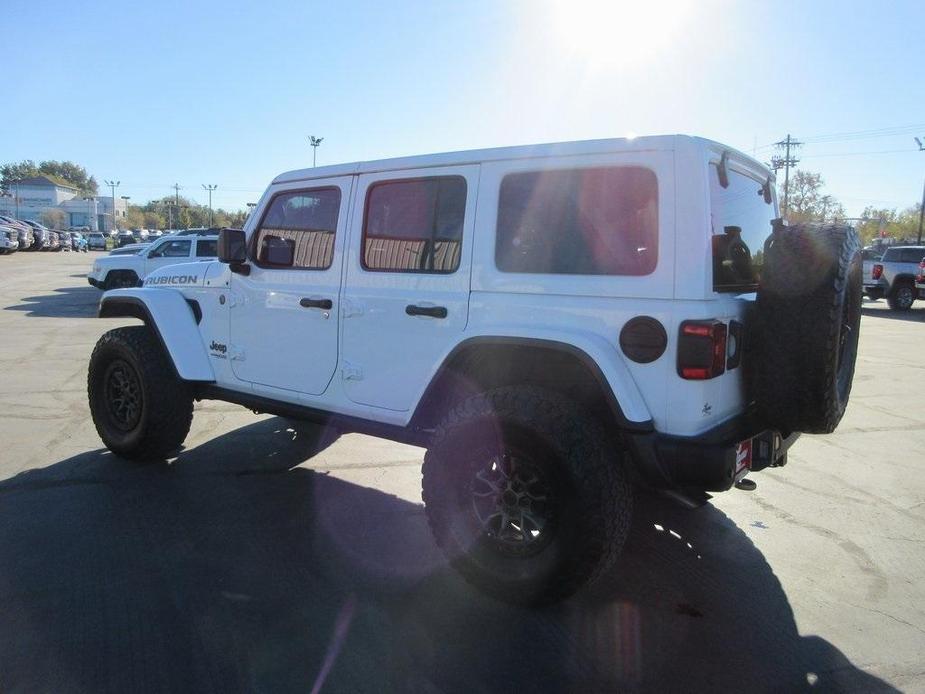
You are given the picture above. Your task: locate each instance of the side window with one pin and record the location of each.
(593, 221)
(206, 248)
(414, 225)
(298, 230)
(912, 255)
(172, 249)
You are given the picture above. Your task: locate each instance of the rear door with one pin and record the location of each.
(406, 294)
(206, 248)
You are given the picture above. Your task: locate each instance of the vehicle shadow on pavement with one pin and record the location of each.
(67, 302)
(231, 569)
(915, 314)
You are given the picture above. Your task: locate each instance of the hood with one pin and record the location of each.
(182, 275)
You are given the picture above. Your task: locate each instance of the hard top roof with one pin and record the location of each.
(635, 144)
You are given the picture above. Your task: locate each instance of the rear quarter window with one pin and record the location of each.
(590, 221)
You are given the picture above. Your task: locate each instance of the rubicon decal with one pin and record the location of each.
(173, 279)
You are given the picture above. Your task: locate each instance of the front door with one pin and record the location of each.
(406, 294)
(284, 314)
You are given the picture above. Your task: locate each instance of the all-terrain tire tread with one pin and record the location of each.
(580, 439)
(169, 402)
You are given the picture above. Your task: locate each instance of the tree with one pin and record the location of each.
(134, 217)
(807, 202)
(902, 226)
(53, 219)
(153, 220)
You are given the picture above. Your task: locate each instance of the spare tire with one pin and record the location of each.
(805, 335)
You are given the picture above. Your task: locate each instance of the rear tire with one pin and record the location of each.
(140, 407)
(902, 297)
(526, 494)
(807, 326)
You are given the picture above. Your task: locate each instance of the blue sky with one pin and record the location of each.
(227, 92)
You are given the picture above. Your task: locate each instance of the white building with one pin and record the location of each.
(29, 198)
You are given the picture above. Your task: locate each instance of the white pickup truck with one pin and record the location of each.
(115, 271)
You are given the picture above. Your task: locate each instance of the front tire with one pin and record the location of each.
(526, 494)
(141, 409)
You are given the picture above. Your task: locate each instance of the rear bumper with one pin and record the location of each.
(708, 461)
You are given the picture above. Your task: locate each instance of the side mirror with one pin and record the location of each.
(232, 246)
(277, 251)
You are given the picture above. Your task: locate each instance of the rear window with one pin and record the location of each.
(594, 221)
(206, 248)
(741, 223)
(904, 255)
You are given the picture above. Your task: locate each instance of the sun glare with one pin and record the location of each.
(614, 33)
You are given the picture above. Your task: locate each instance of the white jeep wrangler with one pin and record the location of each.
(558, 325)
(128, 269)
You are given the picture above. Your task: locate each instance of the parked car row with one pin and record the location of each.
(27, 235)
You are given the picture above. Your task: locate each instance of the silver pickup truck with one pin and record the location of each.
(896, 274)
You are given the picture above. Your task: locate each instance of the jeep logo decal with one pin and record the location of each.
(173, 279)
(218, 347)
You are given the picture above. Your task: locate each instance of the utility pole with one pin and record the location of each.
(785, 163)
(169, 205)
(315, 143)
(210, 188)
(176, 193)
(113, 185)
(922, 208)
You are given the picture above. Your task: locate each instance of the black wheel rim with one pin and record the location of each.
(124, 400)
(513, 504)
(904, 297)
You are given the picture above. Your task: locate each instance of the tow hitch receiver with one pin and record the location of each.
(767, 449)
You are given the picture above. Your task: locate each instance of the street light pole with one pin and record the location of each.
(922, 208)
(113, 185)
(210, 188)
(315, 143)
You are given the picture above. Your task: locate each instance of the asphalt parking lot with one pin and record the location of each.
(251, 563)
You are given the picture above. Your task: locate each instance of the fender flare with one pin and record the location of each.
(902, 277)
(602, 361)
(174, 321)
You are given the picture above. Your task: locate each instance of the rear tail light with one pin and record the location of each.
(702, 349)
(921, 276)
(876, 272)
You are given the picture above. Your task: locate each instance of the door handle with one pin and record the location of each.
(326, 304)
(432, 311)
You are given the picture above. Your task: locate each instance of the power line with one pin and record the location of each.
(889, 131)
(858, 154)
